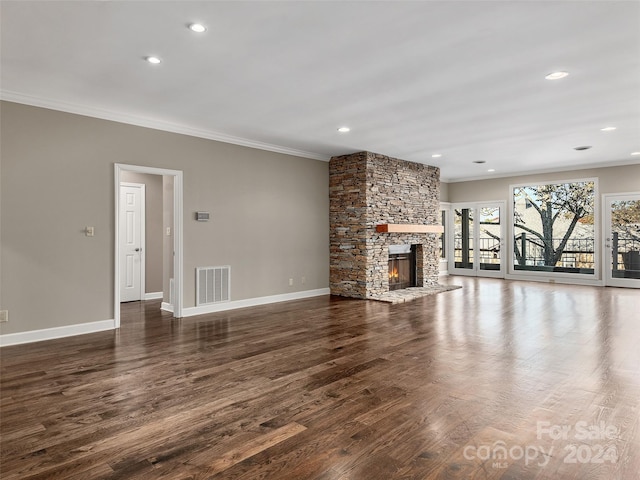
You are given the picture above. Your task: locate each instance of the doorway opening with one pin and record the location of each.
(175, 248)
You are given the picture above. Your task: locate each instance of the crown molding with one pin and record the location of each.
(140, 121)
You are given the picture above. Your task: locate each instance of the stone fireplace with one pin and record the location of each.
(377, 202)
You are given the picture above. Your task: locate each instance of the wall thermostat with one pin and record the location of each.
(202, 216)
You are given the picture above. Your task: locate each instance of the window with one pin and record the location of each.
(463, 237)
(625, 238)
(443, 244)
(443, 222)
(553, 227)
(489, 238)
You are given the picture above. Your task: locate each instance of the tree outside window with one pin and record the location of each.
(625, 239)
(554, 227)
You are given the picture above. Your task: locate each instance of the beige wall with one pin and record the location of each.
(153, 227)
(269, 214)
(444, 192)
(621, 179)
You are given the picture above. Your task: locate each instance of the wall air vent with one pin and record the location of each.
(213, 285)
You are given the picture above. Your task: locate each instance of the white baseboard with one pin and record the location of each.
(153, 296)
(100, 326)
(56, 332)
(253, 302)
(167, 307)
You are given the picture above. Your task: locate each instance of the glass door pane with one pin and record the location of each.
(444, 238)
(490, 238)
(463, 238)
(622, 241)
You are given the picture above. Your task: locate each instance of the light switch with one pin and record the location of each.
(168, 231)
(89, 231)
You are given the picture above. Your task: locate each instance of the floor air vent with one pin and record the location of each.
(213, 284)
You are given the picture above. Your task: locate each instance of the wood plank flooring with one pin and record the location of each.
(497, 380)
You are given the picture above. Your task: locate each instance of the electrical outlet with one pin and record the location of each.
(4, 316)
(304, 280)
(291, 282)
(89, 231)
(168, 231)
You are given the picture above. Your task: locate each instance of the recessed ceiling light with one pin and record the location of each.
(582, 147)
(344, 129)
(436, 155)
(197, 27)
(635, 153)
(491, 170)
(608, 129)
(556, 75)
(479, 161)
(154, 60)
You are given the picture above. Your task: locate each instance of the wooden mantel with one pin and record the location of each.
(408, 228)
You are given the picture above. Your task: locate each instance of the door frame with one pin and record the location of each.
(476, 271)
(178, 256)
(143, 232)
(607, 278)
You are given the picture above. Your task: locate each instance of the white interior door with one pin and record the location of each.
(132, 209)
(622, 240)
(478, 239)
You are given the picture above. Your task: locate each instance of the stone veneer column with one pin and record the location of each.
(368, 189)
(348, 232)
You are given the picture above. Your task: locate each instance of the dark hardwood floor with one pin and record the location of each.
(497, 380)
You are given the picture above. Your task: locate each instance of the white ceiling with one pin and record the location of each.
(411, 79)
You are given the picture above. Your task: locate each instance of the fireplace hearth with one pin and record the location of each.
(402, 266)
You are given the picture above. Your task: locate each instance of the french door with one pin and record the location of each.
(478, 239)
(622, 240)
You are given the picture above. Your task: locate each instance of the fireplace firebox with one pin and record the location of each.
(402, 266)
